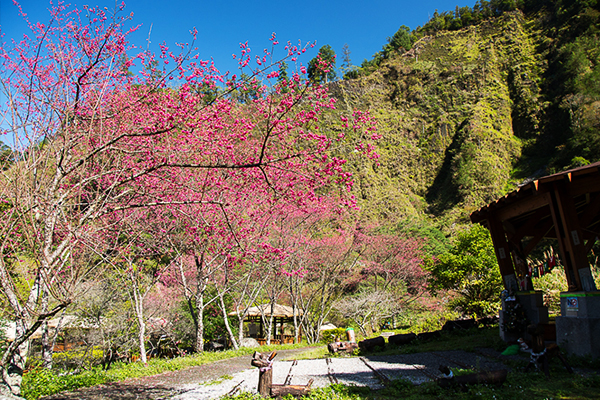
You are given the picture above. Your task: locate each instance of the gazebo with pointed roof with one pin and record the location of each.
(281, 315)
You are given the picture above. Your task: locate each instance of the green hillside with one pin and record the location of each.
(467, 114)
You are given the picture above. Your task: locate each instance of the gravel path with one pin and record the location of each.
(359, 371)
(214, 380)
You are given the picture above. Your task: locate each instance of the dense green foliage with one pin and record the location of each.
(329, 335)
(469, 268)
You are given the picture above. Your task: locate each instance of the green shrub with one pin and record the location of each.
(328, 336)
(470, 269)
(552, 284)
(78, 358)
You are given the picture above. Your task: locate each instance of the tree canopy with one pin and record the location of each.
(470, 269)
(321, 69)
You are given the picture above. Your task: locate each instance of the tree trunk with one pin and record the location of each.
(200, 288)
(138, 301)
(294, 297)
(234, 343)
(12, 373)
(296, 330)
(265, 375)
(46, 344)
(199, 323)
(241, 327)
(15, 356)
(270, 327)
(142, 339)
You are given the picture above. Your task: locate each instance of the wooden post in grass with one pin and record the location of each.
(265, 375)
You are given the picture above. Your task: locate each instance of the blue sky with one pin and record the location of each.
(222, 25)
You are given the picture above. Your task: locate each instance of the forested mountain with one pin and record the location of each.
(473, 104)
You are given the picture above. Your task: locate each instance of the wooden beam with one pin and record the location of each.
(575, 255)
(528, 226)
(539, 234)
(572, 282)
(523, 206)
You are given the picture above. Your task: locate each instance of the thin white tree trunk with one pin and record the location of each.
(199, 323)
(234, 342)
(139, 312)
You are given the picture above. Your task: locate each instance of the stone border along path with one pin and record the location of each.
(211, 381)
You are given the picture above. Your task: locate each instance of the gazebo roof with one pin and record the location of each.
(532, 195)
(279, 311)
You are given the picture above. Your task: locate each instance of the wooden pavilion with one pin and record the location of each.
(564, 206)
(282, 315)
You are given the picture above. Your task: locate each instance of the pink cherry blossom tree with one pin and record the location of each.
(91, 140)
(389, 278)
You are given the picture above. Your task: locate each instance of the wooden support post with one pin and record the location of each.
(265, 374)
(570, 239)
(503, 253)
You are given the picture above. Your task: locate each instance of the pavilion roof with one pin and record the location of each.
(279, 311)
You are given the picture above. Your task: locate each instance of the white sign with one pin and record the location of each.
(502, 253)
(575, 237)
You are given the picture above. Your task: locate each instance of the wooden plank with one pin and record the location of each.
(565, 222)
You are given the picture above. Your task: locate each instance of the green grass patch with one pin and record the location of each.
(313, 353)
(218, 381)
(519, 385)
(39, 382)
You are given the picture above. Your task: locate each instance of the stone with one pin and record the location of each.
(249, 342)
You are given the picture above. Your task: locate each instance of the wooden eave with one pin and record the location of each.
(523, 202)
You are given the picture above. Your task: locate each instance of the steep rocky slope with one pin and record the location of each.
(464, 116)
